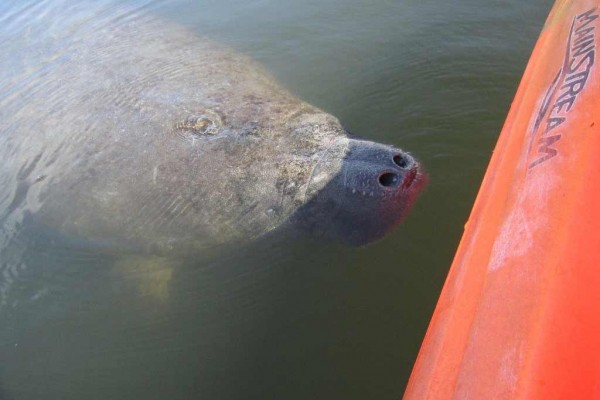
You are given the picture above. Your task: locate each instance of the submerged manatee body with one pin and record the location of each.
(142, 133)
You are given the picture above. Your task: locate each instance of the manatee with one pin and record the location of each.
(146, 135)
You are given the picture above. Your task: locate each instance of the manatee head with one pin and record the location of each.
(358, 190)
(275, 162)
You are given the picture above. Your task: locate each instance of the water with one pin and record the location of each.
(280, 320)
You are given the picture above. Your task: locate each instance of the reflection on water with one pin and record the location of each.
(277, 318)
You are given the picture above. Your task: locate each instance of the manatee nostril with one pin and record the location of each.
(401, 161)
(389, 179)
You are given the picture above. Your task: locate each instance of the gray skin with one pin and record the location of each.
(141, 133)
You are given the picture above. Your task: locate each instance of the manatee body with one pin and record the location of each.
(143, 134)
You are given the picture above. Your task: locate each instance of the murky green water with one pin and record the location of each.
(296, 320)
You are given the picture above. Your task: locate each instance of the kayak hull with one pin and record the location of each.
(518, 317)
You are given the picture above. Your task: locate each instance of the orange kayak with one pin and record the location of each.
(519, 314)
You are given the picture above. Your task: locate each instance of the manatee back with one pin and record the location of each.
(137, 129)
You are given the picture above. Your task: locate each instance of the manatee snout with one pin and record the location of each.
(378, 170)
(370, 191)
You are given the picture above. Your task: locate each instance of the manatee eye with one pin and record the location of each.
(389, 179)
(205, 123)
(199, 126)
(204, 126)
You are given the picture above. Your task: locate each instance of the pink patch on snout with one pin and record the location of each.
(409, 178)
